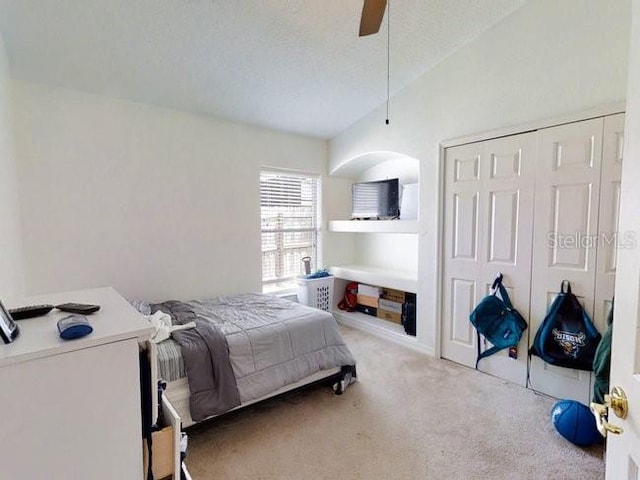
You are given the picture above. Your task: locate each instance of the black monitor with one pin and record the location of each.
(378, 200)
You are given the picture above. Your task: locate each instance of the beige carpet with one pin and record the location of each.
(408, 417)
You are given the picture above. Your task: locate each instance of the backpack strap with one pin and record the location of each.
(505, 297)
(487, 353)
(568, 286)
(497, 286)
(479, 351)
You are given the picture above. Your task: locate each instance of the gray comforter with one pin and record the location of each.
(212, 384)
(270, 343)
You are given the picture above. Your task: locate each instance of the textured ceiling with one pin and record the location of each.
(294, 65)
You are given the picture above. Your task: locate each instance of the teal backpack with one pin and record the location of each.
(497, 321)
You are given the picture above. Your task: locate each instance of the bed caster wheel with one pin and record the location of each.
(338, 387)
(341, 385)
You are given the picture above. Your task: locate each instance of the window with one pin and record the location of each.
(289, 216)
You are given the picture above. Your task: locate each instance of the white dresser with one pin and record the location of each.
(71, 409)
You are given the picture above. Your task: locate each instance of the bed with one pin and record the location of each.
(244, 349)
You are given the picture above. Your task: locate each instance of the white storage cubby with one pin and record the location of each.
(385, 251)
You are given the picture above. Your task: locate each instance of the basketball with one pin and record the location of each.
(575, 422)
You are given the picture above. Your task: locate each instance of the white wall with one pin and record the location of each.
(546, 59)
(11, 271)
(336, 248)
(156, 202)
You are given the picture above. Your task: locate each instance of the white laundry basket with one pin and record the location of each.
(316, 292)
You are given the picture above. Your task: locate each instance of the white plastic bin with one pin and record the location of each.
(316, 292)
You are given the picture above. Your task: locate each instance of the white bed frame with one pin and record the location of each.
(177, 393)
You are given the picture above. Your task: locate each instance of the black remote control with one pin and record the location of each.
(80, 308)
(30, 311)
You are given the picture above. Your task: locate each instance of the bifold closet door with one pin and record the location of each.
(565, 237)
(488, 230)
(461, 251)
(609, 238)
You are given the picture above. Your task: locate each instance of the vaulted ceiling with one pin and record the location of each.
(294, 65)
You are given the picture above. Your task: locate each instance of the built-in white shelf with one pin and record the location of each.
(374, 226)
(370, 321)
(381, 277)
(382, 328)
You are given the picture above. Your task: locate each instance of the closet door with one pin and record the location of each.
(565, 237)
(508, 192)
(488, 230)
(608, 235)
(462, 271)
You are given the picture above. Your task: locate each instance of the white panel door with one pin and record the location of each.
(507, 219)
(462, 230)
(609, 237)
(565, 237)
(488, 230)
(623, 450)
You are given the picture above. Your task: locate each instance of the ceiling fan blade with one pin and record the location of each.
(372, 14)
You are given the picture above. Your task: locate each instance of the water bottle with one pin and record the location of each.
(306, 261)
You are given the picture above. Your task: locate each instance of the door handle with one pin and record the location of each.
(616, 401)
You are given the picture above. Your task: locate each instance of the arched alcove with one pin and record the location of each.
(380, 165)
(358, 166)
(384, 253)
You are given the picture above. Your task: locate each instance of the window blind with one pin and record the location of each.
(289, 217)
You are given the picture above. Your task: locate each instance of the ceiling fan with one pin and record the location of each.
(370, 22)
(372, 14)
